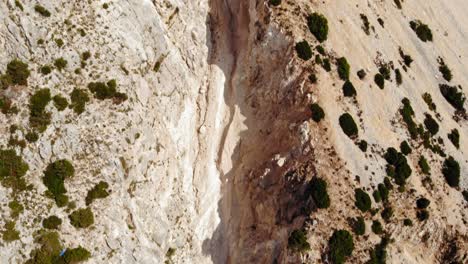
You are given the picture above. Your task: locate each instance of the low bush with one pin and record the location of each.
(422, 30)
(17, 72)
(422, 215)
(45, 70)
(9, 232)
(38, 117)
(54, 179)
(42, 10)
(454, 137)
(12, 170)
(326, 65)
(60, 63)
(379, 80)
(79, 98)
(359, 226)
(363, 145)
(275, 2)
(343, 68)
(15, 208)
(407, 60)
(398, 77)
(348, 125)
(399, 166)
(424, 165)
(348, 89)
(303, 50)
(297, 241)
(444, 70)
(82, 218)
(52, 222)
(86, 55)
(341, 246)
(313, 78)
(361, 74)
(318, 191)
(365, 24)
(431, 124)
(398, 4)
(453, 96)
(59, 42)
(379, 254)
(320, 49)
(385, 71)
(381, 22)
(363, 201)
(377, 197)
(60, 102)
(407, 222)
(49, 248)
(99, 191)
(387, 213)
(107, 90)
(75, 255)
(428, 99)
(317, 112)
(405, 148)
(407, 114)
(451, 172)
(377, 227)
(318, 26)
(19, 5)
(422, 203)
(31, 136)
(384, 190)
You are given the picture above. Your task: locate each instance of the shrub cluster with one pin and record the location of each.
(407, 60)
(99, 191)
(343, 68)
(397, 167)
(451, 172)
(107, 90)
(348, 125)
(318, 26)
(348, 89)
(303, 50)
(79, 98)
(317, 112)
(82, 218)
(38, 117)
(453, 96)
(363, 201)
(297, 241)
(454, 137)
(12, 170)
(275, 2)
(51, 222)
(379, 80)
(17, 73)
(428, 99)
(341, 246)
(422, 30)
(318, 191)
(444, 70)
(54, 179)
(407, 113)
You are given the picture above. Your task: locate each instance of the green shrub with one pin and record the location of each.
(377, 227)
(59, 42)
(32, 136)
(363, 145)
(407, 222)
(398, 77)
(444, 70)
(49, 249)
(45, 70)
(454, 137)
(424, 165)
(407, 60)
(42, 10)
(99, 191)
(60, 102)
(422, 203)
(52, 222)
(407, 114)
(379, 254)
(398, 162)
(388, 184)
(320, 49)
(385, 71)
(348, 125)
(10, 234)
(343, 68)
(361, 74)
(398, 4)
(422, 215)
(341, 246)
(15, 208)
(363, 201)
(18, 72)
(76, 255)
(275, 2)
(54, 177)
(38, 117)
(381, 22)
(348, 89)
(19, 5)
(405, 148)
(86, 55)
(359, 226)
(297, 241)
(82, 218)
(317, 112)
(422, 30)
(431, 124)
(318, 26)
(318, 191)
(326, 65)
(79, 98)
(387, 213)
(383, 190)
(428, 99)
(379, 80)
(5, 82)
(60, 63)
(105, 5)
(377, 197)
(453, 96)
(12, 170)
(303, 50)
(313, 78)
(365, 24)
(451, 172)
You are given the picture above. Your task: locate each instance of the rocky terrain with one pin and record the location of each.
(229, 131)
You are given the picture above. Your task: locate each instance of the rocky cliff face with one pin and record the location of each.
(206, 143)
